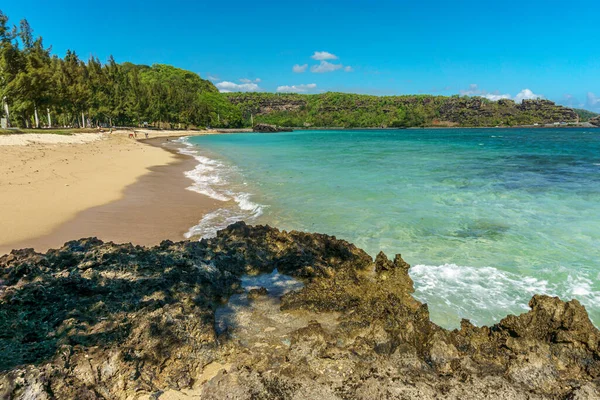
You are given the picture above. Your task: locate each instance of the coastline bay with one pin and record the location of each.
(487, 217)
(395, 202)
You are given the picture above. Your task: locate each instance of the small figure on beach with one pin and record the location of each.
(146, 133)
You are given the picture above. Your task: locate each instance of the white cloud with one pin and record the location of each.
(524, 94)
(593, 102)
(473, 90)
(213, 78)
(325, 66)
(496, 97)
(296, 88)
(244, 80)
(323, 55)
(527, 94)
(226, 86)
(299, 68)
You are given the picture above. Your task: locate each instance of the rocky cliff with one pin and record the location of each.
(266, 128)
(352, 110)
(97, 320)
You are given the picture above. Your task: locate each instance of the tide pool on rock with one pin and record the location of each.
(487, 216)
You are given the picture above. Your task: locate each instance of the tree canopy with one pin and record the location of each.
(41, 89)
(364, 111)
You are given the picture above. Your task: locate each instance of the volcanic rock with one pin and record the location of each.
(266, 128)
(96, 320)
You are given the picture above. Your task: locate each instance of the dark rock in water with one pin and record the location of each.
(96, 320)
(269, 128)
(257, 292)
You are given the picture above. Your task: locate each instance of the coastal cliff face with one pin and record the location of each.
(96, 320)
(266, 128)
(352, 110)
(595, 121)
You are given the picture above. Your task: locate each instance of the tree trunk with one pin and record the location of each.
(37, 118)
(82, 120)
(49, 118)
(6, 111)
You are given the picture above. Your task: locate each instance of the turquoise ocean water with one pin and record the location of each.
(486, 217)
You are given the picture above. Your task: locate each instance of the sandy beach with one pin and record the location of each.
(54, 188)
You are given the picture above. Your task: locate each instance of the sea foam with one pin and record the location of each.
(214, 179)
(517, 219)
(486, 294)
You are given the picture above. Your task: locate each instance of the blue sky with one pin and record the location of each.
(515, 49)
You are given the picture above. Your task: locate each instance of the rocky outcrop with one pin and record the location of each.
(266, 128)
(264, 104)
(96, 320)
(595, 121)
(353, 110)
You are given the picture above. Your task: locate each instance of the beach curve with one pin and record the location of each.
(56, 186)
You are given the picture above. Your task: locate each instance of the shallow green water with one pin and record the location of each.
(487, 217)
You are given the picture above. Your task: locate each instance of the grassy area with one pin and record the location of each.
(62, 131)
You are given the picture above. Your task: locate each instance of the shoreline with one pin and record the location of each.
(338, 128)
(143, 207)
(74, 205)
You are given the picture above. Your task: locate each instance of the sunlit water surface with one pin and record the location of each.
(487, 217)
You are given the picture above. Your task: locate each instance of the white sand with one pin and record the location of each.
(47, 138)
(47, 179)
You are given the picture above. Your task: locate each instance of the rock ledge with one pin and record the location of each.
(96, 320)
(266, 128)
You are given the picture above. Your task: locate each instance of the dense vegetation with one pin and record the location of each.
(353, 110)
(39, 89)
(585, 115)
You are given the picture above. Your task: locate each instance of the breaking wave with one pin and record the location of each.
(486, 294)
(216, 180)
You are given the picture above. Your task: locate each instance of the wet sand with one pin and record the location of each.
(154, 208)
